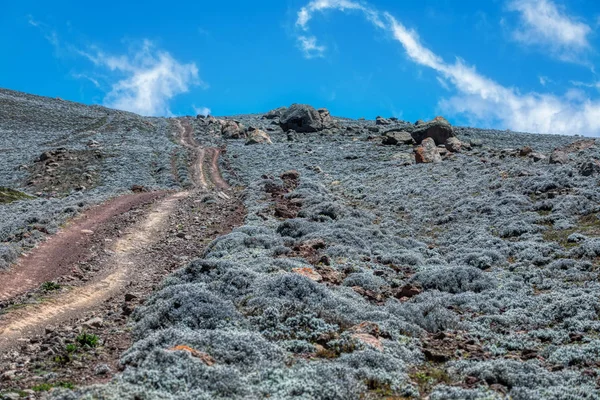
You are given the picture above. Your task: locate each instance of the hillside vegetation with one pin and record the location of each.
(358, 273)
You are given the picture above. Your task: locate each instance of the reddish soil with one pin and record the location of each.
(56, 256)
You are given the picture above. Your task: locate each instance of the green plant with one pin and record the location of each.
(62, 359)
(88, 339)
(71, 348)
(50, 286)
(42, 387)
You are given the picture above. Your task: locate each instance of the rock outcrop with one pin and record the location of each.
(396, 137)
(438, 129)
(231, 129)
(304, 118)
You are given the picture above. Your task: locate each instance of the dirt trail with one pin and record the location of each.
(205, 170)
(34, 318)
(56, 256)
(128, 254)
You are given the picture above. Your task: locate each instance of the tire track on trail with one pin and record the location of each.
(205, 170)
(126, 262)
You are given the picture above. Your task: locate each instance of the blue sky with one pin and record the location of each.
(525, 65)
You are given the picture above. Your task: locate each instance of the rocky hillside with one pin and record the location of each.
(377, 260)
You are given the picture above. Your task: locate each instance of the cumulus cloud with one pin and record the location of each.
(146, 79)
(480, 99)
(542, 23)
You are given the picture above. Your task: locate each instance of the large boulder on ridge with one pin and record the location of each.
(305, 118)
(276, 113)
(438, 129)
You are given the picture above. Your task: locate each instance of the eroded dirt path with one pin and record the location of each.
(56, 256)
(33, 319)
(163, 231)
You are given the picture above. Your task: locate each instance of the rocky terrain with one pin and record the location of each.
(337, 259)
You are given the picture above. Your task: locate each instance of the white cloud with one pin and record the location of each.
(147, 79)
(86, 77)
(480, 99)
(49, 33)
(542, 23)
(309, 46)
(202, 111)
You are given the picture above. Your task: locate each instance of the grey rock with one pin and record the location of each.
(558, 157)
(301, 118)
(589, 167)
(438, 129)
(102, 369)
(453, 144)
(276, 113)
(395, 137)
(232, 129)
(96, 322)
(258, 137)
(382, 121)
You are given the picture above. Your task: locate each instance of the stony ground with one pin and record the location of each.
(360, 274)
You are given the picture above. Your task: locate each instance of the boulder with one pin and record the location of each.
(589, 167)
(453, 144)
(427, 152)
(231, 129)
(326, 119)
(382, 121)
(537, 156)
(301, 118)
(438, 129)
(258, 137)
(559, 157)
(396, 137)
(525, 151)
(276, 113)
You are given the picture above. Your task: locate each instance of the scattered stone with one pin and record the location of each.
(258, 137)
(139, 189)
(102, 369)
(130, 297)
(558, 157)
(232, 130)
(427, 152)
(382, 121)
(525, 151)
(373, 129)
(537, 156)
(396, 137)
(96, 322)
(438, 129)
(453, 144)
(589, 167)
